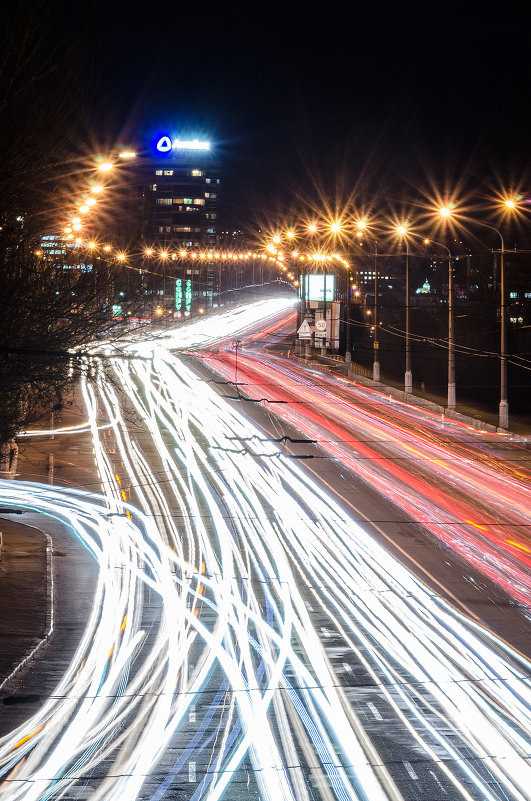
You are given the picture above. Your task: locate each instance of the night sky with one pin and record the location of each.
(316, 105)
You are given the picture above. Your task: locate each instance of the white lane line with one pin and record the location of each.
(438, 782)
(191, 714)
(409, 767)
(375, 712)
(191, 772)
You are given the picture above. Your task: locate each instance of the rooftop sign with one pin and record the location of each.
(165, 144)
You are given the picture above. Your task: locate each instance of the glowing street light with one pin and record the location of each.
(362, 225)
(127, 154)
(408, 377)
(335, 227)
(97, 189)
(105, 167)
(503, 410)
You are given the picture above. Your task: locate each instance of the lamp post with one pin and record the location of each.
(376, 344)
(451, 335)
(503, 410)
(408, 377)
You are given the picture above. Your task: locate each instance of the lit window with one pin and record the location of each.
(208, 181)
(153, 187)
(187, 201)
(513, 295)
(211, 216)
(199, 201)
(211, 230)
(178, 200)
(168, 172)
(158, 172)
(197, 173)
(164, 201)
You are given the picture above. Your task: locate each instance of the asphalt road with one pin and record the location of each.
(289, 655)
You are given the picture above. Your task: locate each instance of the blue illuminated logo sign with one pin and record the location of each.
(165, 144)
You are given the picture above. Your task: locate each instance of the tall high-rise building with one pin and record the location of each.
(178, 194)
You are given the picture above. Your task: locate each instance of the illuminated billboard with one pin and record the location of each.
(315, 287)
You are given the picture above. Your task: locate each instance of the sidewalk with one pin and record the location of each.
(37, 548)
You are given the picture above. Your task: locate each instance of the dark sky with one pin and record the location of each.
(319, 103)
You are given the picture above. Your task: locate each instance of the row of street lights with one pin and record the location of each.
(403, 231)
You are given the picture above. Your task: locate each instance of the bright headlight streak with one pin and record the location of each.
(441, 512)
(267, 523)
(93, 716)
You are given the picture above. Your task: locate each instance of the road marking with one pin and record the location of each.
(438, 782)
(376, 714)
(191, 714)
(405, 554)
(191, 772)
(409, 767)
(326, 632)
(309, 607)
(347, 667)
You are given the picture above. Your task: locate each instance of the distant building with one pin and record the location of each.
(168, 197)
(179, 194)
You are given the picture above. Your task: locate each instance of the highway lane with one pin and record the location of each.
(294, 657)
(468, 489)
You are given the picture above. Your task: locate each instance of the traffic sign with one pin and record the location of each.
(305, 331)
(320, 325)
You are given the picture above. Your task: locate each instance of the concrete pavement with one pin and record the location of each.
(47, 577)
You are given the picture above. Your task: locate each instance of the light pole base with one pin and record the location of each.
(376, 371)
(323, 351)
(504, 414)
(408, 382)
(451, 396)
(307, 350)
(348, 357)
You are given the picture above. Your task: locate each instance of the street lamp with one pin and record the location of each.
(362, 225)
(451, 344)
(503, 411)
(408, 377)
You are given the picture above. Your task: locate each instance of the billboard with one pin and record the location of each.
(315, 287)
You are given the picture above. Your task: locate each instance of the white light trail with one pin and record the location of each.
(237, 542)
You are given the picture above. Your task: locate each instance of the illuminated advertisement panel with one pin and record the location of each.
(315, 287)
(178, 294)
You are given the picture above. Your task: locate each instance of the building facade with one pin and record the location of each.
(178, 195)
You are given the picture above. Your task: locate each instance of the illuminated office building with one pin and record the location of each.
(180, 198)
(172, 196)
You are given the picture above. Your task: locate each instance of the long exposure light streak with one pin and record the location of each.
(427, 468)
(240, 545)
